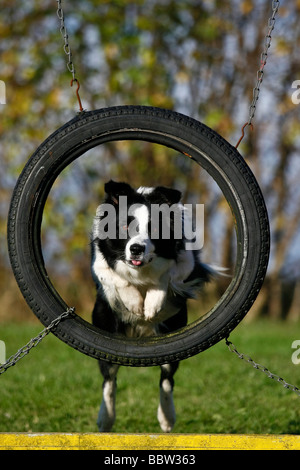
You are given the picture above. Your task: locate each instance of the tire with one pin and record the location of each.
(190, 137)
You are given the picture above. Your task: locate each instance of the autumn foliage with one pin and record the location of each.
(198, 58)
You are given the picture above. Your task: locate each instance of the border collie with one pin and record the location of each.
(143, 279)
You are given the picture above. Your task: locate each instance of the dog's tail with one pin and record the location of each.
(192, 286)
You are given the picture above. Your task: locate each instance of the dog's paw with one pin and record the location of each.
(166, 422)
(132, 300)
(154, 303)
(135, 308)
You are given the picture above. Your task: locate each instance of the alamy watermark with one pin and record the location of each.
(2, 92)
(164, 222)
(296, 93)
(2, 352)
(296, 354)
(296, 343)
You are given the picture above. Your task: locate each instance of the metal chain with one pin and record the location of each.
(67, 49)
(64, 33)
(263, 369)
(34, 341)
(263, 60)
(260, 72)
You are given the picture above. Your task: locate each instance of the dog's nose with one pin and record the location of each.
(137, 249)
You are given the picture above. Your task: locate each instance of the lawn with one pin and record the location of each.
(57, 389)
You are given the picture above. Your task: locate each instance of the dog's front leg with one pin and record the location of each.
(132, 299)
(154, 302)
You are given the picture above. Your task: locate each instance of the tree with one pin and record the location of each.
(196, 57)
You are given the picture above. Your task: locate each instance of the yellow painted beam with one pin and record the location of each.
(154, 442)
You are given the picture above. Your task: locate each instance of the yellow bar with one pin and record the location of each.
(189, 442)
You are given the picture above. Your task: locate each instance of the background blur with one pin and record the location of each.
(195, 57)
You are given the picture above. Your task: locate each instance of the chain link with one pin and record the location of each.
(64, 33)
(263, 369)
(67, 49)
(260, 72)
(34, 341)
(263, 60)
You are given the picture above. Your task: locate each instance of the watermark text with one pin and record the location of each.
(296, 354)
(2, 92)
(2, 352)
(296, 93)
(163, 221)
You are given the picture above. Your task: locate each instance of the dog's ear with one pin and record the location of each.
(168, 195)
(114, 190)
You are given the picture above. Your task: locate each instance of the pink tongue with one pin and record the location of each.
(136, 262)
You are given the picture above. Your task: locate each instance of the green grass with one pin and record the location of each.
(57, 389)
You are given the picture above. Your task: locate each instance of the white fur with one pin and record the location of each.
(145, 190)
(141, 219)
(142, 292)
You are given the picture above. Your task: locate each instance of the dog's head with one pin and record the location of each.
(137, 226)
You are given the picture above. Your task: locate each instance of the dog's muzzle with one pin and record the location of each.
(136, 254)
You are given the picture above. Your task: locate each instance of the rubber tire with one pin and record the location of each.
(222, 161)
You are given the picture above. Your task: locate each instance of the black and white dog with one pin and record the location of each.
(144, 275)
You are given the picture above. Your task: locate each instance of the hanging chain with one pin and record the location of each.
(260, 72)
(263, 60)
(34, 341)
(64, 33)
(263, 369)
(67, 50)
